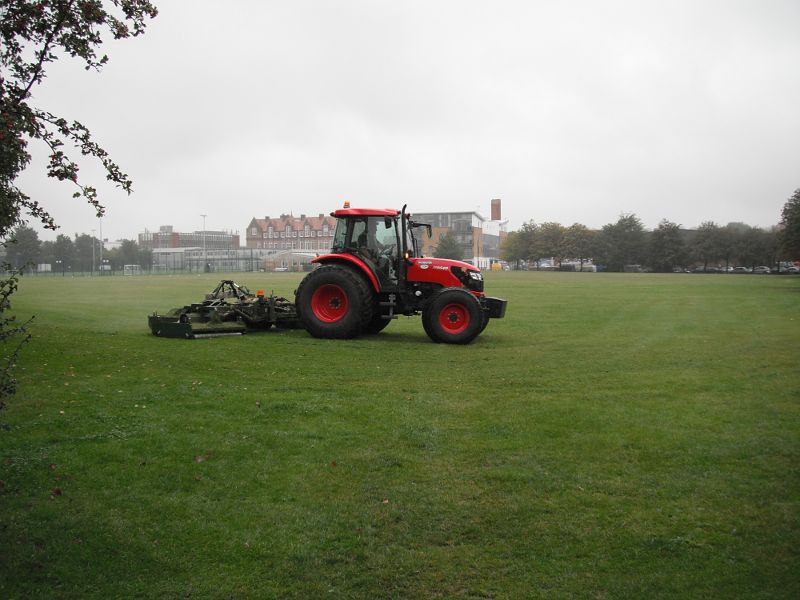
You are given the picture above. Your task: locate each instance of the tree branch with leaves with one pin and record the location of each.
(33, 34)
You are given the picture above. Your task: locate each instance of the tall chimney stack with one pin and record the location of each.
(496, 209)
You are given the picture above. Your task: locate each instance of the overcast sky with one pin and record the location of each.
(573, 111)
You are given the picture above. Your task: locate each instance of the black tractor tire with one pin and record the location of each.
(428, 331)
(452, 316)
(484, 322)
(378, 323)
(334, 301)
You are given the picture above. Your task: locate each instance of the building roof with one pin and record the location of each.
(297, 223)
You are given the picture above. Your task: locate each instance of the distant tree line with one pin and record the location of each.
(669, 246)
(79, 254)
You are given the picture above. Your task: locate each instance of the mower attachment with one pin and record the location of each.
(229, 309)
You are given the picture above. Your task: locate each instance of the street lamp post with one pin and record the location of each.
(101, 240)
(205, 256)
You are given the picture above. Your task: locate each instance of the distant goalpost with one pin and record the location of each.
(132, 270)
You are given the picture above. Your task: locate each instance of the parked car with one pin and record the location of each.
(785, 270)
(762, 270)
(741, 270)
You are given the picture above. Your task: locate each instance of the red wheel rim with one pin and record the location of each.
(454, 318)
(329, 303)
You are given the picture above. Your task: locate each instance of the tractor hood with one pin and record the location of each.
(443, 262)
(446, 272)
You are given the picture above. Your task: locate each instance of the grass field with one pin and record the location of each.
(616, 436)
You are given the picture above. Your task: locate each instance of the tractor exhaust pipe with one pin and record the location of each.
(404, 253)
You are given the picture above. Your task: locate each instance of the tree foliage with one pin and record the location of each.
(731, 242)
(530, 235)
(34, 33)
(449, 247)
(513, 249)
(667, 247)
(757, 247)
(24, 248)
(46, 255)
(707, 243)
(549, 242)
(64, 248)
(578, 242)
(13, 335)
(86, 252)
(790, 227)
(129, 252)
(621, 243)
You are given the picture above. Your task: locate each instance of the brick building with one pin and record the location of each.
(307, 234)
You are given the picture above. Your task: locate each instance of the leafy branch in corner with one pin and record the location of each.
(13, 334)
(34, 33)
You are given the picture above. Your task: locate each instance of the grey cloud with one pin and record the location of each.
(568, 111)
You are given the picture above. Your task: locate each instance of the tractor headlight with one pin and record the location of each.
(472, 280)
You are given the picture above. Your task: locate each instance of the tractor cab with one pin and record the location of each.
(374, 237)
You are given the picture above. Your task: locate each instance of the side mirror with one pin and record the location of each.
(428, 227)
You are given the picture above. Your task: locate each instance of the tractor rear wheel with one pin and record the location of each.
(452, 316)
(334, 302)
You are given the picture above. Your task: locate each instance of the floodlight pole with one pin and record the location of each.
(101, 240)
(205, 256)
(93, 245)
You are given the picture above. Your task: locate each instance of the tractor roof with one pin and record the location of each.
(365, 212)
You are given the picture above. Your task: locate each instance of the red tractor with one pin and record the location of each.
(374, 272)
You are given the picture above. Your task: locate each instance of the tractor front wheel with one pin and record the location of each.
(334, 302)
(378, 322)
(452, 316)
(484, 321)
